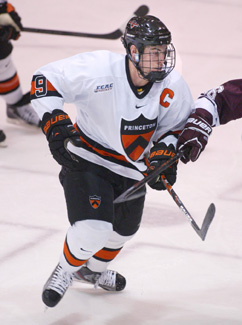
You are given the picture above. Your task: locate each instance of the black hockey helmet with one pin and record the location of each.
(146, 31)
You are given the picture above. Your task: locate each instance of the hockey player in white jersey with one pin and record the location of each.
(129, 110)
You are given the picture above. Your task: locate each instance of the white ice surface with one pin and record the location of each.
(172, 276)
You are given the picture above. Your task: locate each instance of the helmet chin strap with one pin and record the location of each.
(151, 76)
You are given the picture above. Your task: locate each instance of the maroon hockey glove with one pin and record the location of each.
(59, 129)
(195, 135)
(158, 155)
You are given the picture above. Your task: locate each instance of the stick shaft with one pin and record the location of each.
(114, 35)
(208, 217)
(180, 204)
(141, 11)
(130, 193)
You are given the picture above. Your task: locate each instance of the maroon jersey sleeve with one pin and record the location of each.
(229, 101)
(225, 102)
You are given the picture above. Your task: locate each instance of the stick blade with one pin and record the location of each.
(142, 11)
(207, 220)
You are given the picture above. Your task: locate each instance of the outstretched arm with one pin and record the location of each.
(217, 106)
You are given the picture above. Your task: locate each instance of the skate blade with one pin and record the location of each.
(3, 144)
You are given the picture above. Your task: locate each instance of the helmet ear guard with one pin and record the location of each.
(127, 47)
(136, 57)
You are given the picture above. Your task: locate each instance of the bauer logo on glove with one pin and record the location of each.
(59, 129)
(159, 154)
(194, 137)
(54, 120)
(199, 123)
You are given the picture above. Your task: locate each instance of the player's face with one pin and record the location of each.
(153, 58)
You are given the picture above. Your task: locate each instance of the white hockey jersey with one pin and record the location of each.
(117, 125)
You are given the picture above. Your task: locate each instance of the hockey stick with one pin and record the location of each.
(141, 11)
(131, 194)
(207, 219)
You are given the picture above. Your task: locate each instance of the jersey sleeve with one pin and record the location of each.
(44, 96)
(55, 84)
(223, 102)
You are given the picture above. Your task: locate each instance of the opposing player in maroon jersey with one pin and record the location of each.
(215, 107)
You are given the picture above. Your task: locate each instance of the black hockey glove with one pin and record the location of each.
(7, 33)
(195, 135)
(158, 155)
(11, 19)
(59, 129)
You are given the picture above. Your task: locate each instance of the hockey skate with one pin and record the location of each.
(22, 113)
(108, 280)
(56, 286)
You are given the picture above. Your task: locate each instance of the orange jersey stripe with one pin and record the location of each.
(105, 153)
(70, 258)
(9, 85)
(10, 7)
(108, 255)
(102, 152)
(32, 91)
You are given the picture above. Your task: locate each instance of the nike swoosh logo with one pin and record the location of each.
(137, 106)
